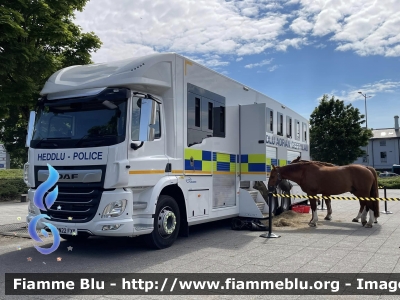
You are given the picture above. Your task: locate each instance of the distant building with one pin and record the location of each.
(383, 148)
(4, 158)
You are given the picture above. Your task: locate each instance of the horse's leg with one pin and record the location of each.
(329, 208)
(362, 213)
(314, 219)
(370, 209)
(373, 207)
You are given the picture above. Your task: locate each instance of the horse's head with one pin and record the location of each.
(274, 178)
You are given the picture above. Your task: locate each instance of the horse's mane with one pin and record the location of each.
(316, 162)
(296, 166)
(298, 160)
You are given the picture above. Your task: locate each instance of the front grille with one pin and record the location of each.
(77, 200)
(80, 204)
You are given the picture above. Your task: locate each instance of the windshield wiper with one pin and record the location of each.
(44, 142)
(54, 145)
(93, 139)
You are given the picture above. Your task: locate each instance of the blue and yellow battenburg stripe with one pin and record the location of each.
(202, 161)
(253, 163)
(208, 162)
(224, 163)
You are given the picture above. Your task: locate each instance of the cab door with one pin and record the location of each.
(148, 161)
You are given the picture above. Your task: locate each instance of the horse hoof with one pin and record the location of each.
(328, 218)
(376, 222)
(368, 226)
(312, 224)
(363, 223)
(355, 220)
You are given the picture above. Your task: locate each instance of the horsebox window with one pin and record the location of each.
(297, 128)
(382, 143)
(197, 112)
(210, 115)
(219, 121)
(304, 132)
(270, 120)
(288, 127)
(205, 115)
(280, 124)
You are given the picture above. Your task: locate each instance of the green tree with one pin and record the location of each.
(336, 134)
(38, 37)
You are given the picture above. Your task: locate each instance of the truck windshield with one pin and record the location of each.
(81, 122)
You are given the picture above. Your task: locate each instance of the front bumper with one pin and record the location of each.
(129, 225)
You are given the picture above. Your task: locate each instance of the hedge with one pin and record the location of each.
(390, 182)
(12, 184)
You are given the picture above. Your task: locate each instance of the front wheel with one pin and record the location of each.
(166, 223)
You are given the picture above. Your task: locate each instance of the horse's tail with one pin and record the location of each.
(375, 192)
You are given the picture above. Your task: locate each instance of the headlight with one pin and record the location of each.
(114, 209)
(26, 172)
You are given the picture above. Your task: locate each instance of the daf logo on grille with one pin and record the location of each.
(59, 207)
(68, 176)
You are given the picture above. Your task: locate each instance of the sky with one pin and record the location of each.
(293, 51)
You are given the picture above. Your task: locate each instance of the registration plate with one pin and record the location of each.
(66, 230)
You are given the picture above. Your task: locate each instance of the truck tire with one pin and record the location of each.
(286, 202)
(167, 222)
(274, 206)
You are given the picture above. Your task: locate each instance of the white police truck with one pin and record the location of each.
(153, 145)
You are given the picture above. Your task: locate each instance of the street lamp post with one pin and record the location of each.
(366, 118)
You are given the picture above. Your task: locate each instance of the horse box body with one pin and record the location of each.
(180, 145)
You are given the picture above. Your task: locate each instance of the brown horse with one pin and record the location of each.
(362, 213)
(331, 180)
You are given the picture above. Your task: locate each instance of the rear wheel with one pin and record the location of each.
(274, 205)
(166, 223)
(283, 202)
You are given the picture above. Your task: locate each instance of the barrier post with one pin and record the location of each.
(270, 234)
(385, 211)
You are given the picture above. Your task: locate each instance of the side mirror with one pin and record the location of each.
(31, 124)
(147, 120)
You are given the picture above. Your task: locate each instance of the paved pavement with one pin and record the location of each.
(13, 212)
(337, 246)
